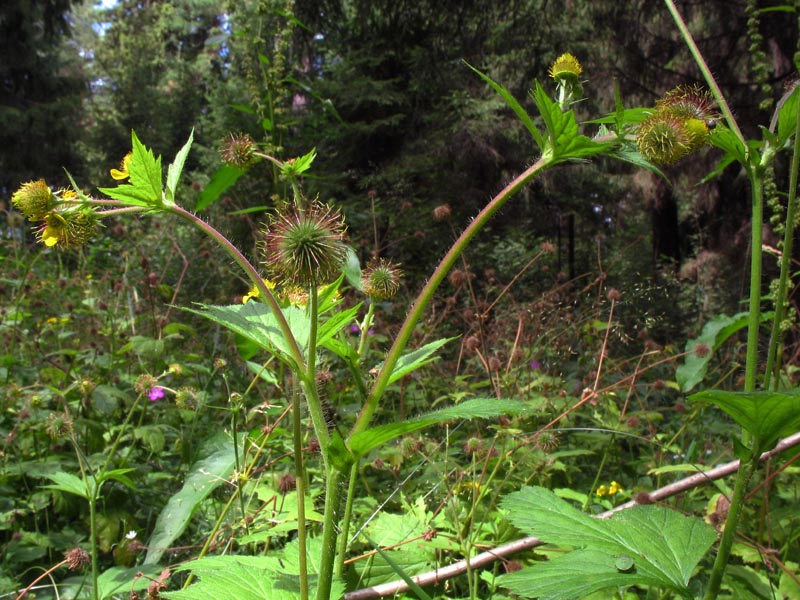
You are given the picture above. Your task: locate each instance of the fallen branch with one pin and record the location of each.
(485, 558)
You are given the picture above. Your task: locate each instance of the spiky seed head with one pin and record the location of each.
(77, 558)
(304, 247)
(442, 212)
(381, 279)
(34, 199)
(238, 150)
(664, 138)
(681, 124)
(69, 228)
(688, 101)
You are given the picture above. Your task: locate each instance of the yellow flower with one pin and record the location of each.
(566, 67)
(124, 168)
(253, 293)
(609, 490)
(55, 227)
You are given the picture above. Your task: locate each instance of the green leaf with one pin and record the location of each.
(787, 116)
(414, 360)
(352, 269)
(175, 169)
(252, 577)
(66, 482)
(715, 333)
(119, 580)
(724, 139)
(144, 188)
(515, 106)
(224, 178)
(118, 475)
(665, 547)
(476, 408)
(766, 415)
(205, 475)
(300, 165)
(254, 321)
(563, 139)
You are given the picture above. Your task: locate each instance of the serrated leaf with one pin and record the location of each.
(205, 476)
(144, 188)
(476, 408)
(254, 321)
(67, 482)
(300, 165)
(766, 415)
(174, 170)
(414, 360)
(665, 547)
(224, 178)
(515, 106)
(563, 138)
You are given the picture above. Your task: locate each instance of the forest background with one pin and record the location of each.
(410, 145)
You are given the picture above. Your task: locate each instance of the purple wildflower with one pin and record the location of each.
(156, 393)
(535, 364)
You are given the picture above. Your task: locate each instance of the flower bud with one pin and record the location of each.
(34, 199)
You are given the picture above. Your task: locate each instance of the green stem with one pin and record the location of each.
(786, 262)
(426, 295)
(300, 486)
(344, 534)
(93, 530)
(363, 342)
(309, 378)
(754, 318)
(743, 476)
(326, 564)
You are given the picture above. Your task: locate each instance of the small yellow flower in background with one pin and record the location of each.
(253, 293)
(124, 168)
(565, 67)
(609, 490)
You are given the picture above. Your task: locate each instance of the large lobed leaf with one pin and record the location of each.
(645, 545)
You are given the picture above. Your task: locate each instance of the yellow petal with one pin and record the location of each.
(118, 175)
(49, 236)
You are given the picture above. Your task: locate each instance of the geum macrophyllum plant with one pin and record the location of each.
(296, 316)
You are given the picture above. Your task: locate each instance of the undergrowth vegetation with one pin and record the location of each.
(186, 419)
